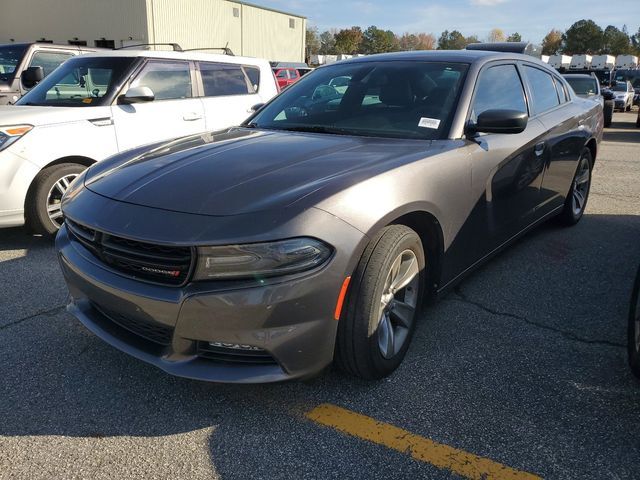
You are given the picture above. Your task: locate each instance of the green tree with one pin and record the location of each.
(312, 40)
(327, 43)
(451, 40)
(376, 40)
(472, 39)
(584, 36)
(514, 37)
(348, 40)
(615, 42)
(552, 42)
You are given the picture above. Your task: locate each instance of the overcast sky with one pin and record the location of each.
(532, 18)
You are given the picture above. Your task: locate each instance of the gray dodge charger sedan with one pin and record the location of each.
(313, 232)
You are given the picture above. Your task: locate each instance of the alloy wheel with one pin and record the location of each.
(54, 198)
(580, 188)
(398, 304)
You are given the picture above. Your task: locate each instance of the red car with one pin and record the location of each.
(286, 76)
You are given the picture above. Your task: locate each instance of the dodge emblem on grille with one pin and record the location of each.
(170, 273)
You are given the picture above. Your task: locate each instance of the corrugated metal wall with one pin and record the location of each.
(62, 20)
(195, 23)
(253, 32)
(248, 30)
(269, 35)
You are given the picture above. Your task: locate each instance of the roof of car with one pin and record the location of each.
(171, 55)
(463, 56)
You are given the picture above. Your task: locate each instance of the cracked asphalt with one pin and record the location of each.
(523, 363)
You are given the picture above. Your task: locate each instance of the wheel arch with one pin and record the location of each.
(592, 145)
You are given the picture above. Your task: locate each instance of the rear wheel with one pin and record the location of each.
(634, 328)
(379, 319)
(609, 107)
(576, 201)
(43, 206)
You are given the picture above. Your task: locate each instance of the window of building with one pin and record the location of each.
(49, 61)
(292, 23)
(236, 12)
(102, 43)
(167, 80)
(220, 79)
(543, 90)
(79, 43)
(499, 87)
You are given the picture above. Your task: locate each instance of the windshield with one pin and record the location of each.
(79, 82)
(620, 87)
(397, 99)
(583, 86)
(10, 57)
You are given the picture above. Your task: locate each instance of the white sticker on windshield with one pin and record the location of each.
(429, 123)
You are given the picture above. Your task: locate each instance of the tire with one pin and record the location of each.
(638, 120)
(634, 328)
(45, 190)
(580, 186)
(365, 344)
(609, 107)
(627, 108)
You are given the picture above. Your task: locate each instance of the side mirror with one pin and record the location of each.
(32, 76)
(137, 95)
(257, 107)
(499, 121)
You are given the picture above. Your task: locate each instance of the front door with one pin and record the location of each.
(173, 113)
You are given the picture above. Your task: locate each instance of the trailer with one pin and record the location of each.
(559, 61)
(580, 62)
(602, 62)
(544, 58)
(626, 61)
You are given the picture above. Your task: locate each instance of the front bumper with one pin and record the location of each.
(16, 175)
(291, 321)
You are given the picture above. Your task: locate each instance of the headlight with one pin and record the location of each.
(257, 260)
(11, 134)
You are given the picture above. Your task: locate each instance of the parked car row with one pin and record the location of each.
(311, 232)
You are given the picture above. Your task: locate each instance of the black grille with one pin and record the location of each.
(234, 355)
(161, 264)
(148, 330)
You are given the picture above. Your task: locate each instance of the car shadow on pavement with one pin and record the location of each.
(624, 132)
(530, 343)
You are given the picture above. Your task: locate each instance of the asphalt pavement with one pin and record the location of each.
(523, 365)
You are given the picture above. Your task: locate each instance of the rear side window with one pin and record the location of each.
(167, 80)
(223, 79)
(562, 93)
(253, 73)
(49, 61)
(499, 87)
(543, 90)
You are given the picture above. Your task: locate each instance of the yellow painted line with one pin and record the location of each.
(442, 456)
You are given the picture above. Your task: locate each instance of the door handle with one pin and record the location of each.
(191, 117)
(539, 148)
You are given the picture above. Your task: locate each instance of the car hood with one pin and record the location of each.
(245, 170)
(39, 116)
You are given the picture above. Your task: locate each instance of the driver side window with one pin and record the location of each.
(499, 87)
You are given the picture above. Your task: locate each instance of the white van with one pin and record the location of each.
(96, 105)
(580, 62)
(559, 61)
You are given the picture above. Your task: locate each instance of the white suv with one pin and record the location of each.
(96, 105)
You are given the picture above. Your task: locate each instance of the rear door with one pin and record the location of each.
(175, 111)
(228, 93)
(565, 136)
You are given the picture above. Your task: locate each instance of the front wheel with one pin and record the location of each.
(576, 201)
(43, 208)
(382, 305)
(609, 107)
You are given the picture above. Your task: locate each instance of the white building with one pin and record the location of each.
(246, 29)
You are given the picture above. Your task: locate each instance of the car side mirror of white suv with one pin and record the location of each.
(137, 95)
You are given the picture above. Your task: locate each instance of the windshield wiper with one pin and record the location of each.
(319, 129)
